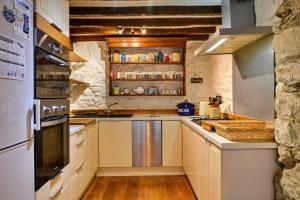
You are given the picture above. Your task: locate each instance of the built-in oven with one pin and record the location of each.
(51, 108)
(51, 139)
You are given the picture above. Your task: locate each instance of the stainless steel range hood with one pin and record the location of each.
(238, 30)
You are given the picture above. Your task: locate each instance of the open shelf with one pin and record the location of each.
(147, 79)
(148, 63)
(143, 95)
(78, 82)
(144, 49)
(54, 80)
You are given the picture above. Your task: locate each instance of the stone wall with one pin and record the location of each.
(95, 96)
(287, 103)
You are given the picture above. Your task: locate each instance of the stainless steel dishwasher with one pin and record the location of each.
(146, 144)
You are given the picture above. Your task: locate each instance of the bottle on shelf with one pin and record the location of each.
(123, 57)
(116, 56)
(160, 57)
(176, 56)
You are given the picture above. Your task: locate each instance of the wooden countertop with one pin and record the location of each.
(81, 121)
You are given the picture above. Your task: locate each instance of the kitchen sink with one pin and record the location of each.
(115, 115)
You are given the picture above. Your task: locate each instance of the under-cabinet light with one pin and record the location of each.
(219, 43)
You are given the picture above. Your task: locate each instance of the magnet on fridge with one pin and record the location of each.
(8, 14)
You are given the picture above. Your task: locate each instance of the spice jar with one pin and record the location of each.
(116, 56)
(176, 56)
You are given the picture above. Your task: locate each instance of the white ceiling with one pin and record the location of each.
(127, 3)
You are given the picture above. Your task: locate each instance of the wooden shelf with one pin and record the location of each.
(146, 45)
(54, 80)
(78, 82)
(147, 63)
(148, 95)
(147, 79)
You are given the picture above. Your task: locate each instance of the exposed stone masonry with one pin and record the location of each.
(287, 104)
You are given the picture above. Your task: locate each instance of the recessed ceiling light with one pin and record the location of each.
(143, 31)
(121, 30)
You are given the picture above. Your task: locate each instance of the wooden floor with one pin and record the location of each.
(140, 188)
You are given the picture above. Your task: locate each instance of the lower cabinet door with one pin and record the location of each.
(195, 161)
(115, 144)
(172, 143)
(215, 173)
(92, 134)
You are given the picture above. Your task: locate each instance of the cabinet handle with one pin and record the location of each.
(80, 142)
(57, 192)
(80, 166)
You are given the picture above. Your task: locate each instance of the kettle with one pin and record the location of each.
(139, 90)
(186, 108)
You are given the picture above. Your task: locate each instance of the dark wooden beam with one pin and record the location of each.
(114, 31)
(147, 22)
(104, 37)
(146, 10)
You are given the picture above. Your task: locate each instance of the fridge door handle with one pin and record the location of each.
(37, 114)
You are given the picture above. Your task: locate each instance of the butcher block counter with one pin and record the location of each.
(82, 121)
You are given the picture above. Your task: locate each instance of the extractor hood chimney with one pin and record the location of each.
(238, 29)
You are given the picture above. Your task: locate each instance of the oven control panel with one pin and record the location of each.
(50, 108)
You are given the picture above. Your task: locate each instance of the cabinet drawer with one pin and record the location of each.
(79, 179)
(77, 138)
(78, 153)
(63, 192)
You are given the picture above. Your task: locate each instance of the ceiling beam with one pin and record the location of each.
(115, 31)
(103, 38)
(147, 22)
(145, 11)
(130, 3)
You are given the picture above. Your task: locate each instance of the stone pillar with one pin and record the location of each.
(287, 103)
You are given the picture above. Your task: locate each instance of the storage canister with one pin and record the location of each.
(116, 56)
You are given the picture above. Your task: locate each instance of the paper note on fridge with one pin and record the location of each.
(12, 58)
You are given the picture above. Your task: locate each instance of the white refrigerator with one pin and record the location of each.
(16, 100)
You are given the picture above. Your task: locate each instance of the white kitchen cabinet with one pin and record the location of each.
(172, 143)
(214, 172)
(227, 174)
(195, 161)
(74, 179)
(93, 151)
(55, 12)
(115, 144)
(44, 192)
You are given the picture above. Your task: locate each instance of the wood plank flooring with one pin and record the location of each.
(140, 188)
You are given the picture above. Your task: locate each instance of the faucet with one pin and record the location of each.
(108, 111)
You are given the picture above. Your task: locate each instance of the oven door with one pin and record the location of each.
(51, 76)
(51, 149)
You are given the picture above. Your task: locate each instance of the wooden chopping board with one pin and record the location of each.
(86, 122)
